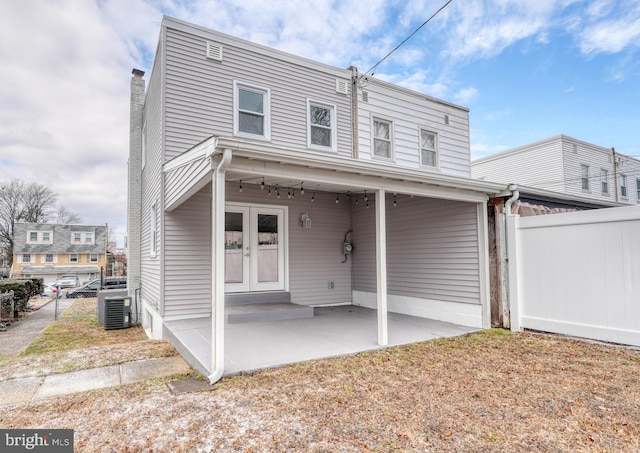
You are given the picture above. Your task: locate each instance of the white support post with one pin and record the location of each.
(483, 262)
(381, 267)
(217, 266)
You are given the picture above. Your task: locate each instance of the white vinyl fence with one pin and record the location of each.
(577, 273)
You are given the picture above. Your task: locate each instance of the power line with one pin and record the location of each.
(370, 71)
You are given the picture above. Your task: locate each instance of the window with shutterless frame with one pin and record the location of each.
(252, 111)
(428, 148)
(321, 125)
(584, 176)
(623, 186)
(382, 132)
(604, 181)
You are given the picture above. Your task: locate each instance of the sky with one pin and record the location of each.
(526, 69)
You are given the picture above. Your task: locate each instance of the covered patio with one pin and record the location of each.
(332, 332)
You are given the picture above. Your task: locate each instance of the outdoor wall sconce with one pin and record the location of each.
(305, 220)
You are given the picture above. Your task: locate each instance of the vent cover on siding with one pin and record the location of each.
(214, 51)
(342, 86)
(365, 96)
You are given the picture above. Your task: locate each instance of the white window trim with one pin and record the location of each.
(637, 190)
(236, 110)
(584, 179)
(437, 150)
(153, 231)
(77, 255)
(392, 148)
(91, 260)
(626, 186)
(32, 258)
(39, 237)
(43, 258)
(604, 172)
(334, 126)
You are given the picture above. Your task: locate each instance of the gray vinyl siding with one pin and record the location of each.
(432, 249)
(199, 101)
(537, 165)
(179, 181)
(150, 267)
(315, 254)
(410, 112)
(187, 254)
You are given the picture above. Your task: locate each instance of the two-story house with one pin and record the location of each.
(256, 176)
(48, 251)
(566, 165)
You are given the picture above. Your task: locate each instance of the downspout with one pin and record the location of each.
(506, 309)
(615, 173)
(217, 267)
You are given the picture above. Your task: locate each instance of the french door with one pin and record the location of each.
(254, 248)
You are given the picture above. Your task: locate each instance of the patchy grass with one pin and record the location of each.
(75, 341)
(493, 391)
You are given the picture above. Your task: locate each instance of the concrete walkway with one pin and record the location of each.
(22, 333)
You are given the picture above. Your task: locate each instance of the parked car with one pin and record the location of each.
(68, 281)
(49, 290)
(91, 288)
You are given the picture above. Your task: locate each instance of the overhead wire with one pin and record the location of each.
(370, 72)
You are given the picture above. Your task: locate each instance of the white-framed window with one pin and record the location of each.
(382, 138)
(321, 125)
(604, 181)
(73, 258)
(143, 145)
(77, 238)
(623, 186)
(638, 190)
(93, 257)
(88, 238)
(584, 176)
(428, 148)
(251, 111)
(82, 237)
(153, 233)
(38, 237)
(50, 258)
(27, 258)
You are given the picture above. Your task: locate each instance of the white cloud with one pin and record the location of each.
(611, 36)
(465, 95)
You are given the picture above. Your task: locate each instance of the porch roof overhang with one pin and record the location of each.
(52, 270)
(191, 171)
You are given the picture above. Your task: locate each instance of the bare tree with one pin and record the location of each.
(22, 202)
(66, 217)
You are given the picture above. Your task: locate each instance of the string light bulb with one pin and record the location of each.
(301, 188)
(240, 189)
(395, 201)
(337, 199)
(313, 197)
(262, 184)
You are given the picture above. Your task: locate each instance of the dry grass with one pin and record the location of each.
(76, 342)
(487, 392)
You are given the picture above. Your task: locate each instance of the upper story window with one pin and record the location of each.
(73, 258)
(428, 148)
(252, 111)
(584, 176)
(623, 186)
(321, 125)
(82, 238)
(604, 181)
(39, 237)
(638, 190)
(26, 258)
(153, 234)
(382, 138)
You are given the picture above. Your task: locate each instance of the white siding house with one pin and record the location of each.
(267, 177)
(566, 165)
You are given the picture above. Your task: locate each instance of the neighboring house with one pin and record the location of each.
(258, 175)
(565, 165)
(48, 251)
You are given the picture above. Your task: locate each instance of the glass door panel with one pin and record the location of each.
(233, 247)
(267, 248)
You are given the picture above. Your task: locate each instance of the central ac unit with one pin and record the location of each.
(117, 313)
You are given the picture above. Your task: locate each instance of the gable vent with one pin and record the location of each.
(365, 96)
(214, 51)
(342, 86)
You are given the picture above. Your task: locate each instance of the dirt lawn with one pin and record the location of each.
(493, 391)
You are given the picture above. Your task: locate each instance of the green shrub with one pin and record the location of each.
(23, 290)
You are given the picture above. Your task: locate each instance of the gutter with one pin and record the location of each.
(217, 265)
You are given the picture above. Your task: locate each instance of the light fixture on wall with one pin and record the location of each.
(305, 220)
